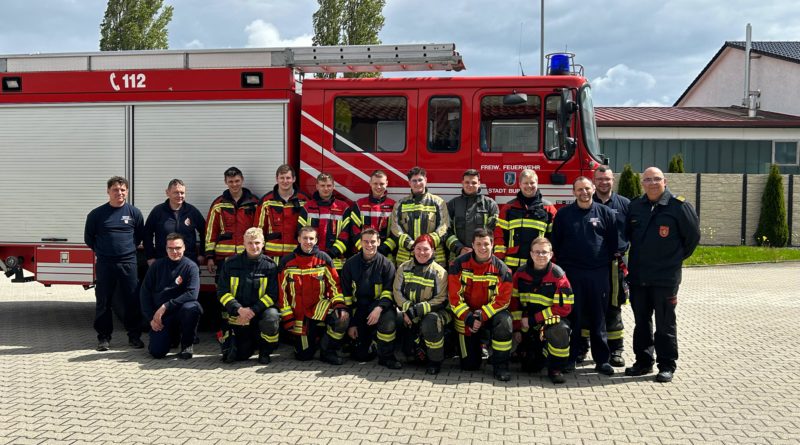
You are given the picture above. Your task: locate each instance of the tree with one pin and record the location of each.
(630, 185)
(135, 25)
(348, 22)
(676, 164)
(773, 230)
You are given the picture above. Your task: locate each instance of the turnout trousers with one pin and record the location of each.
(243, 341)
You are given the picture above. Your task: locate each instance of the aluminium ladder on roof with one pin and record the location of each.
(312, 59)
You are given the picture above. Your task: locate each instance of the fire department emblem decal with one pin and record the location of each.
(187, 222)
(510, 178)
(179, 280)
(663, 231)
(126, 219)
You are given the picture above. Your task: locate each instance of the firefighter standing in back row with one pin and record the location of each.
(604, 194)
(278, 214)
(248, 289)
(472, 210)
(521, 220)
(479, 286)
(418, 214)
(374, 211)
(330, 217)
(663, 230)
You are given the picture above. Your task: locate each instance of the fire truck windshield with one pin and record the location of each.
(589, 124)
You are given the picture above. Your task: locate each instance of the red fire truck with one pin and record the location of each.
(68, 122)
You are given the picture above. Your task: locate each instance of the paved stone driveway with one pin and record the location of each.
(738, 381)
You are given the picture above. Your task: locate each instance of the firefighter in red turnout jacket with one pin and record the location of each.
(230, 215)
(247, 289)
(480, 292)
(541, 301)
(329, 216)
(278, 214)
(311, 304)
(374, 211)
(522, 220)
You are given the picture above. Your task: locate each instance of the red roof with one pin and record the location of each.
(732, 117)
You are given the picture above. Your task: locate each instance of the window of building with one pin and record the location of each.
(444, 124)
(370, 124)
(510, 128)
(785, 153)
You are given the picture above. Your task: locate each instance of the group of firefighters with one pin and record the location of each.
(419, 276)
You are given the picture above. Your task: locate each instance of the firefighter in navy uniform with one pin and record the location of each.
(374, 211)
(330, 217)
(540, 304)
(479, 287)
(663, 231)
(420, 292)
(367, 279)
(604, 194)
(310, 299)
(522, 220)
(247, 289)
(278, 214)
(472, 210)
(585, 241)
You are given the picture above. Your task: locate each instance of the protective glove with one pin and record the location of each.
(555, 319)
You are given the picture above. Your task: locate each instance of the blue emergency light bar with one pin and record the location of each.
(559, 64)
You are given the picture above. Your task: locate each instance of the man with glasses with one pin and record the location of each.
(585, 242)
(663, 231)
(169, 297)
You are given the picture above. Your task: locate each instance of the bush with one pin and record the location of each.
(676, 164)
(630, 184)
(773, 230)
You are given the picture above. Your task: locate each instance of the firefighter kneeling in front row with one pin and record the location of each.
(247, 289)
(541, 301)
(420, 292)
(310, 300)
(367, 279)
(480, 292)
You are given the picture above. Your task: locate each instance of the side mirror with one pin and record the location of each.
(565, 111)
(515, 98)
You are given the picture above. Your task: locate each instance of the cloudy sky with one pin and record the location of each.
(635, 52)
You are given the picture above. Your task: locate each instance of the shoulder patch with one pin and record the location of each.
(558, 272)
(680, 198)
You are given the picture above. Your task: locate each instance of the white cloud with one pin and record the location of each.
(195, 44)
(262, 34)
(621, 77)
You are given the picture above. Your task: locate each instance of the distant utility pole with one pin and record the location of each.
(541, 41)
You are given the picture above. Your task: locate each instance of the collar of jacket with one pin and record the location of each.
(375, 200)
(663, 200)
(180, 209)
(245, 196)
(277, 193)
(299, 251)
(425, 263)
(525, 201)
(324, 202)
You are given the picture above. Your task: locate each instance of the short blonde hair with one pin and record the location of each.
(528, 172)
(254, 233)
(541, 240)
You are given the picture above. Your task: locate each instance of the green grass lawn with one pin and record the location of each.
(706, 255)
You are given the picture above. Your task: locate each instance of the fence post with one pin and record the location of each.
(744, 210)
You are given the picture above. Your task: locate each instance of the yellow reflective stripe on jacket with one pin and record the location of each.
(503, 224)
(321, 309)
(512, 261)
(418, 207)
(426, 307)
(280, 247)
(409, 277)
(227, 298)
(528, 224)
(566, 298)
(557, 352)
(459, 310)
(534, 298)
(262, 292)
(286, 311)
